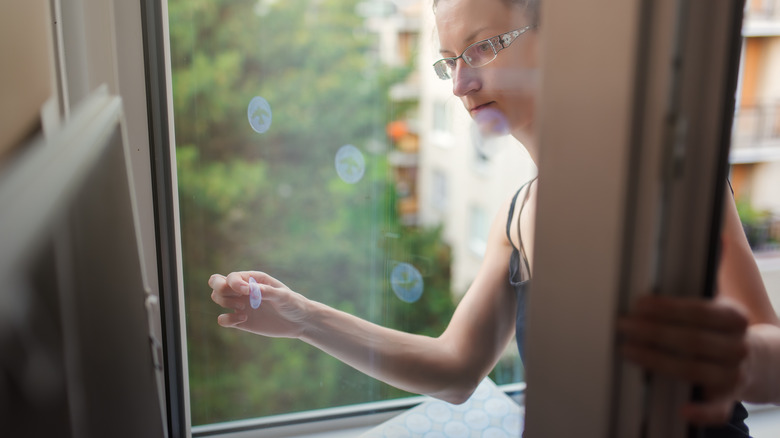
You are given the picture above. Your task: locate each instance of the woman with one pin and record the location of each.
(726, 345)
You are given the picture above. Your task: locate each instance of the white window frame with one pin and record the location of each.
(553, 346)
(663, 76)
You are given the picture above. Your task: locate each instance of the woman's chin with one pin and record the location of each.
(491, 122)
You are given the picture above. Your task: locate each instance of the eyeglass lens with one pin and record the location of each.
(475, 56)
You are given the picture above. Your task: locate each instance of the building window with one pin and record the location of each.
(439, 190)
(479, 225)
(441, 127)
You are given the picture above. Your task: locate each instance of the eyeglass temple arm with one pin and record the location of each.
(508, 38)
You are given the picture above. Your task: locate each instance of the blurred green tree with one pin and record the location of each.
(274, 202)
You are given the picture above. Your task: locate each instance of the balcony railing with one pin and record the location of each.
(755, 125)
(756, 133)
(763, 9)
(764, 235)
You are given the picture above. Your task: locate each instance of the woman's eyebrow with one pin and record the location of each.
(469, 40)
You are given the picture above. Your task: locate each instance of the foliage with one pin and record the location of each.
(750, 215)
(759, 226)
(274, 202)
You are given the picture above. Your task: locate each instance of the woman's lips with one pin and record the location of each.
(479, 108)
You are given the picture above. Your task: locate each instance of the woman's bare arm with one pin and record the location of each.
(448, 367)
(740, 282)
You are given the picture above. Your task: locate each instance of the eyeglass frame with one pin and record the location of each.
(497, 43)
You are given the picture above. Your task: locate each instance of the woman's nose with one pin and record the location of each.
(465, 79)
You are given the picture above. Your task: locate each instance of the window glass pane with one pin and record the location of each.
(299, 153)
(315, 143)
(755, 147)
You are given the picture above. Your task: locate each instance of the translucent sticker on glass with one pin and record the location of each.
(407, 282)
(259, 114)
(255, 295)
(350, 164)
(492, 122)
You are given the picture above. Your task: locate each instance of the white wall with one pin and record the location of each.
(765, 194)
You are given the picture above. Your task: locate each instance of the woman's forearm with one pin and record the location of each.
(415, 363)
(763, 365)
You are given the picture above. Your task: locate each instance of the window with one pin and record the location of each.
(440, 120)
(295, 156)
(236, 153)
(439, 190)
(479, 223)
(441, 134)
(258, 156)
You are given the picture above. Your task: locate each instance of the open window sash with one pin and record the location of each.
(636, 114)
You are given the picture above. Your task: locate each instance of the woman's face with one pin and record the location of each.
(506, 86)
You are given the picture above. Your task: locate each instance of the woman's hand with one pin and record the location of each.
(282, 312)
(703, 342)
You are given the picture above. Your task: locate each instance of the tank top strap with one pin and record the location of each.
(512, 211)
(509, 219)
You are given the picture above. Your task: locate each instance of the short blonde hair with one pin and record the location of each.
(530, 7)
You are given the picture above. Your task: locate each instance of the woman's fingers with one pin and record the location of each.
(218, 283)
(232, 292)
(701, 342)
(708, 414)
(685, 340)
(695, 312)
(229, 302)
(232, 319)
(716, 378)
(239, 281)
(224, 295)
(688, 328)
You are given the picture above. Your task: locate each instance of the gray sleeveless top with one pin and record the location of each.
(519, 270)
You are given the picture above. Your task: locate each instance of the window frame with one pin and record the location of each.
(164, 200)
(161, 199)
(654, 230)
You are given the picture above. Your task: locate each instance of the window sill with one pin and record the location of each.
(343, 422)
(763, 420)
(347, 422)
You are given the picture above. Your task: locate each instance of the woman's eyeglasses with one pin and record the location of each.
(480, 53)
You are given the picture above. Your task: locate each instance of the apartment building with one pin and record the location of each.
(755, 155)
